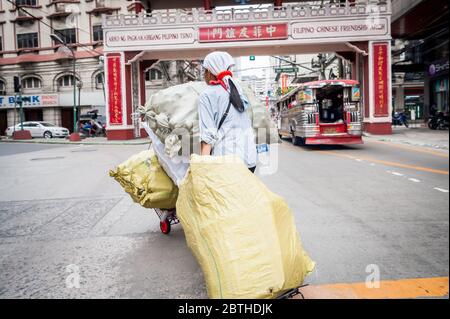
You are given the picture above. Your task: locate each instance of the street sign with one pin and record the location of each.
(286, 70)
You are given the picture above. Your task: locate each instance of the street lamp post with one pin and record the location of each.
(75, 136)
(79, 85)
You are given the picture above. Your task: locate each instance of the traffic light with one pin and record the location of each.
(252, 58)
(16, 84)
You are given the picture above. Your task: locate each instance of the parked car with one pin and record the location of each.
(40, 129)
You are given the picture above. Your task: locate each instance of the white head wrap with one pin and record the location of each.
(218, 61)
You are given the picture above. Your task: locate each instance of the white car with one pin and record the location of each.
(40, 129)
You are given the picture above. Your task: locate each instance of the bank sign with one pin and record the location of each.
(40, 100)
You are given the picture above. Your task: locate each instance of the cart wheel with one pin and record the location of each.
(164, 225)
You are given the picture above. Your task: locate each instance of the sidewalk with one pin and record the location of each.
(86, 141)
(420, 136)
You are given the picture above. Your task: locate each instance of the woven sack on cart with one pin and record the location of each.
(143, 178)
(243, 235)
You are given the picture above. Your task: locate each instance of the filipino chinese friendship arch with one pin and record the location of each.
(357, 31)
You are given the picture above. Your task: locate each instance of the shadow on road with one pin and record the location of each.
(314, 148)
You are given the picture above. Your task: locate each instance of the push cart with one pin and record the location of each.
(292, 293)
(167, 218)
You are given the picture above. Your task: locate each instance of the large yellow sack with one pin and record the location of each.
(243, 236)
(143, 178)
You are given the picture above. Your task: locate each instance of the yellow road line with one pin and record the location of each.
(388, 163)
(412, 148)
(388, 289)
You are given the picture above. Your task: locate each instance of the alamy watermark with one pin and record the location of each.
(373, 277)
(73, 279)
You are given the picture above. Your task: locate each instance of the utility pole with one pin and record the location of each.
(18, 98)
(75, 136)
(22, 134)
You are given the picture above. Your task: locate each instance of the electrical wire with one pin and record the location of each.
(47, 13)
(268, 67)
(88, 49)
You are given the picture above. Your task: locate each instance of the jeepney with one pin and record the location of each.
(322, 112)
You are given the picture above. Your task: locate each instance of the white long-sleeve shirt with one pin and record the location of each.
(236, 134)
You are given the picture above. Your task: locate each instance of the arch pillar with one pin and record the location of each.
(378, 88)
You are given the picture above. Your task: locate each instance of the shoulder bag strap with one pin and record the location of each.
(224, 116)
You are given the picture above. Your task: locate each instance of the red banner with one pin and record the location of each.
(380, 74)
(243, 32)
(114, 90)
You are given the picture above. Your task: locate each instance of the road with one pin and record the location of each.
(10, 149)
(380, 206)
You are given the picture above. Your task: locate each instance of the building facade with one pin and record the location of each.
(420, 57)
(359, 31)
(136, 36)
(46, 68)
(259, 85)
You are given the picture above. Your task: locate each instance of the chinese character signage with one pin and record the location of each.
(115, 90)
(243, 32)
(380, 74)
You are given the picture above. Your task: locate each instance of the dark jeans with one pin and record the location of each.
(252, 169)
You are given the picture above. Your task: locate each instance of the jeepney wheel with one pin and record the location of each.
(164, 225)
(298, 141)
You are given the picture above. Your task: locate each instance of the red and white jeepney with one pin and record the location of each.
(322, 112)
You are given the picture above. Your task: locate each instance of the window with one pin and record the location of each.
(440, 94)
(2, 88)
(65, 81)
(26, 2)
(47, 124)
(27, 40)
(30, 124)
(99, 81)
(153, 74)
(31, 83)
(68, 35)
(97, 33)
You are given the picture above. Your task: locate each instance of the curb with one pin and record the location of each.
(390, 140)
(434, 146)
(64, 142)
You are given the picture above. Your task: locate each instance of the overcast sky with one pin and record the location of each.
(255, 67)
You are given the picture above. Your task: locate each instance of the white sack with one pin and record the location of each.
(174, 110)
